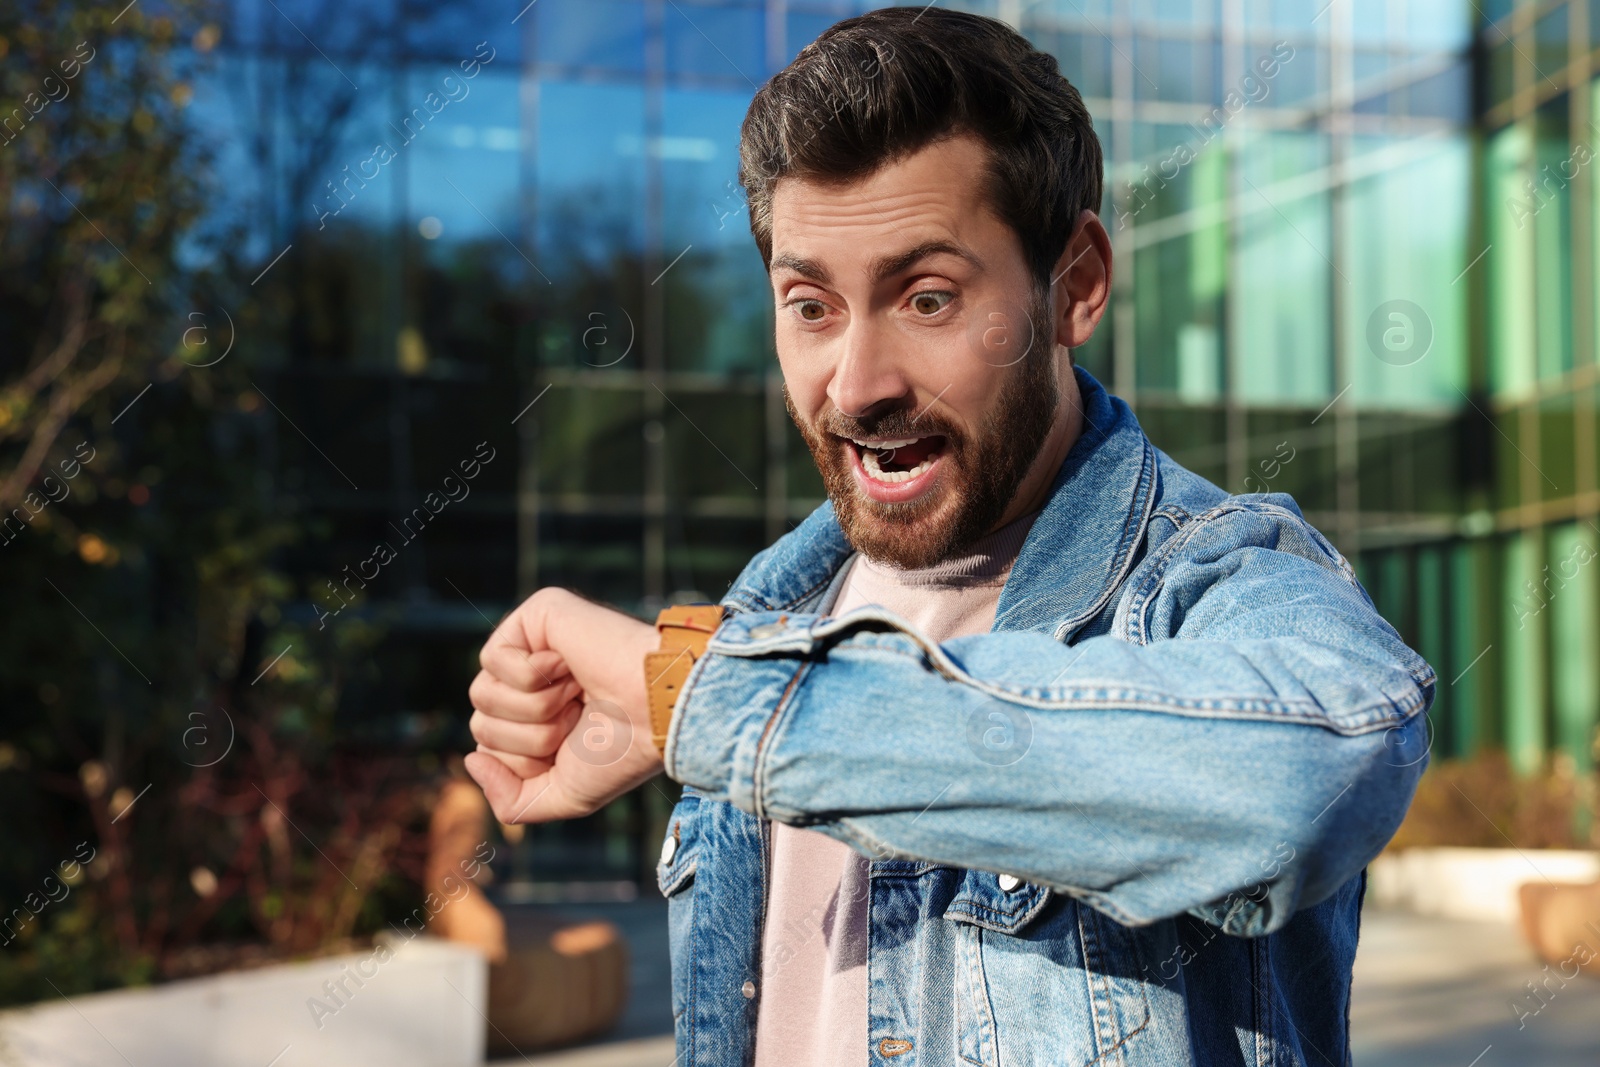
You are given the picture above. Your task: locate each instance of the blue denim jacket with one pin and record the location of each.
(1127, 826)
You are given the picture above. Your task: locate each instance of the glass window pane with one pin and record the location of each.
(715, 42)
(463, 29)
(590, 183)
(1522, 694)
(1178, 292)
(463, 165)
(1548, 205)
(716, 300)
(1178, 69)
(1405, 326)
(1175, 12)
(591, 441)
(1196, 437)
(1445, 25)
(714, 443)
(1509, 262)
(1446, 95)
(1550, 44)
(1472, 663)
(1556, 476)
(1502, 68)
(1282, 14)
(1299, 71)
(595, 33)
(1280, 307)
(1574, 621)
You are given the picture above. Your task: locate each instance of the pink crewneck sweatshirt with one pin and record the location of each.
(813, 1007)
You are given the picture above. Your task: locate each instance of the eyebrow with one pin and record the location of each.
(884, 266)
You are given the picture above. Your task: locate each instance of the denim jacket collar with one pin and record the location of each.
(1077, 551)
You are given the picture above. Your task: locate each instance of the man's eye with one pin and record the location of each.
(930, 301)
(810, 310)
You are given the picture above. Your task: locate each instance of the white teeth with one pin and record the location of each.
(881, 445)
(869, 462)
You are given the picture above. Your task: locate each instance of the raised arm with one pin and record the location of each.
(1243, 740)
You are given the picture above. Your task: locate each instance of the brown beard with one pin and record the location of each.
(982, 473)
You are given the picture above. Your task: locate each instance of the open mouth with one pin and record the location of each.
(898, 468)
(899, 460)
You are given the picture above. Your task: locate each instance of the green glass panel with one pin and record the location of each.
(1550, 43)
(1551, 199)
(1594, 187)
(1433, 637)
(1522, 690)
(1569, 579)
(1510, 262)
(1178, 330)
(1405, 335)
(1555, 474)
(1471, 661)
(1502, 69)
(1391, 598)
(591, 441)
(1281, 301)
(1193, 436)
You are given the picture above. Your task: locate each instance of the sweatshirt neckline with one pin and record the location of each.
(987, 559)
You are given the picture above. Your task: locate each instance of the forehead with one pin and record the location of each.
(937, 192)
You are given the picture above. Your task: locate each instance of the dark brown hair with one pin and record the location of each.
(883, 85)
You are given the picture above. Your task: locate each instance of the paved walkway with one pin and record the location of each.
(1440, 993)
(1428, 993)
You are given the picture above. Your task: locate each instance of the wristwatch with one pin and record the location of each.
(685, 630)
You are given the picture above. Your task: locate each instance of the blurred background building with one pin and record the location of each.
(1355, 262)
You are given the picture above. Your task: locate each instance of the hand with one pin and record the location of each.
(561, 715)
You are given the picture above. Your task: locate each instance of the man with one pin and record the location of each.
(1030, 746)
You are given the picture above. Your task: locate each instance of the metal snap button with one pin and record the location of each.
(1008, 882)
(669, 849)
(749, 990)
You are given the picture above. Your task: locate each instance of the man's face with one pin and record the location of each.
(918, 355)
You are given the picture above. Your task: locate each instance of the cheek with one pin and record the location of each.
(967, 378)
(806, 371)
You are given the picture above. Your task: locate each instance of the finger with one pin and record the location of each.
(539, 740)
(521, 766)
(524, 628)
(493, 697)
(509, 796)
(522, 670)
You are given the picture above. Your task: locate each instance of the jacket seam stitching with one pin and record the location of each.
(1358, 720)
(758, 768)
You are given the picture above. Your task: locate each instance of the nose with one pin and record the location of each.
(868, 377)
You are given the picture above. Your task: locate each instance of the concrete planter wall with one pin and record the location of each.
(418, 1003)
(1471, 883)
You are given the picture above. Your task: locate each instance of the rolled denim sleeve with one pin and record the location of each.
(1243, 740)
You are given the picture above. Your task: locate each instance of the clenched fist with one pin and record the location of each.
(560, 711)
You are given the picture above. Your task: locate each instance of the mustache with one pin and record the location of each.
(901, 422)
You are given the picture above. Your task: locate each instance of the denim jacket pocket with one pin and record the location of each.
(985, 905)
(675, 875)
(1025, 956)
(680, 848)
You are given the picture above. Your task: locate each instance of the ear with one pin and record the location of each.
(1082, 287)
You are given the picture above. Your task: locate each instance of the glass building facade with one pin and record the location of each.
(1355, 256)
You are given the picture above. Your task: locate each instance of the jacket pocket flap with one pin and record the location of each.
(996, 902)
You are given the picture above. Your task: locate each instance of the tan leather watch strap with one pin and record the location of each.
(685, 631)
